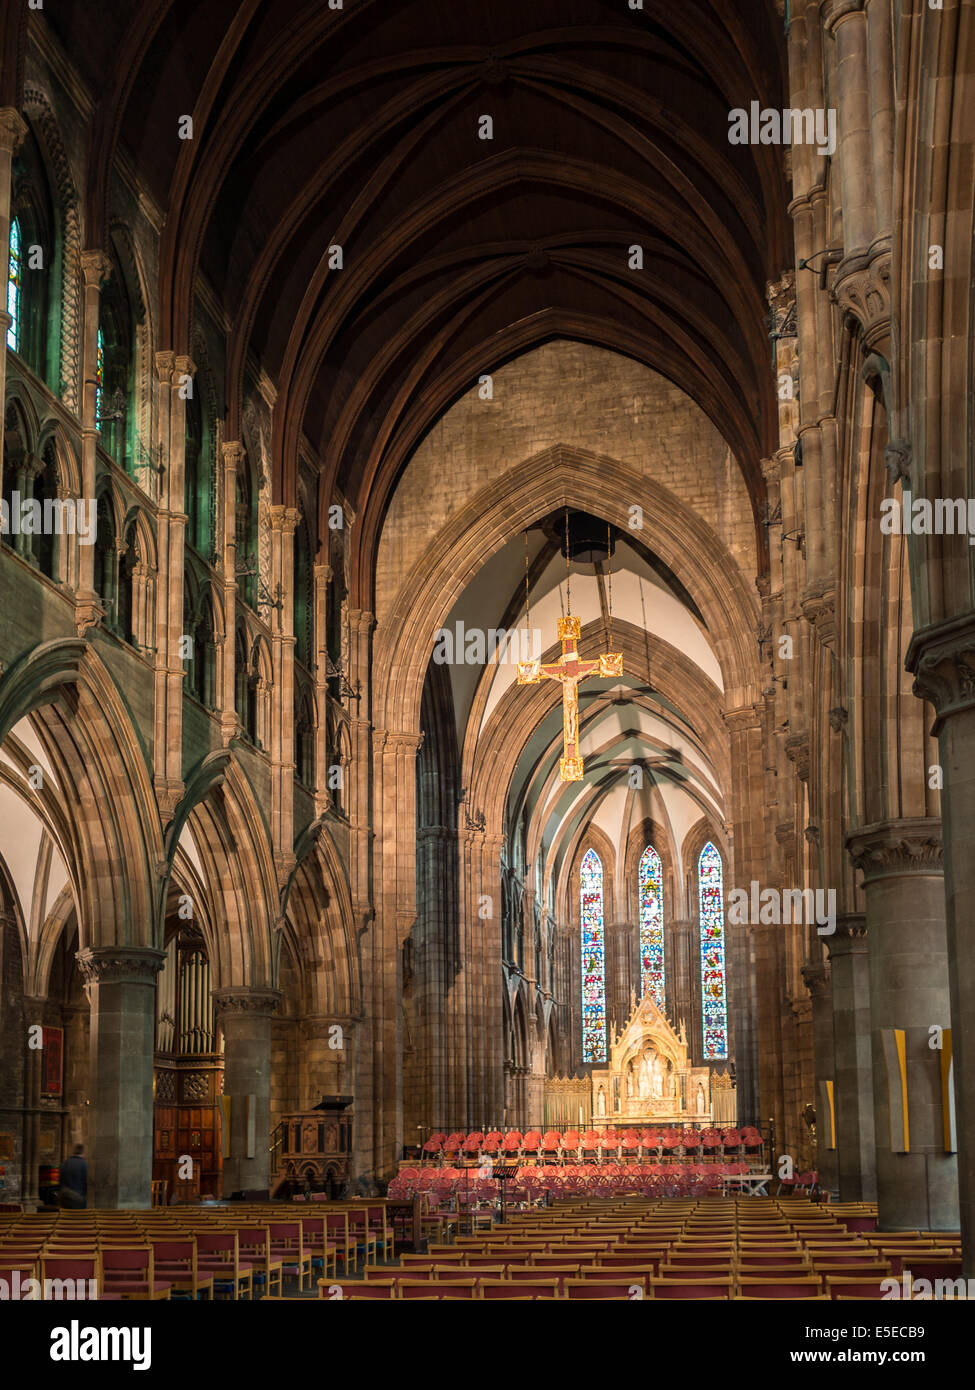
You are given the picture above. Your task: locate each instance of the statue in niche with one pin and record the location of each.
(658, 1076)
(601, 1102)
(629, 1080)
(645, 1075)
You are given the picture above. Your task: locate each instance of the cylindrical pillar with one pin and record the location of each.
(245, 1015)
(852, 1064)
(121, 983)
(903, 882)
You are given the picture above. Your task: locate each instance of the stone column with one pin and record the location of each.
(96, 268)
(12, 131)
(245, 1016)
(284, 520)
(852, 1065)
(903, 882)
(74, 1018)
(232, 454)
(816, 975)
(943, 661)
(680, 977)
(121, 985)
(623, 961)
(34, 1060)
(847, 22)
(328, 1057)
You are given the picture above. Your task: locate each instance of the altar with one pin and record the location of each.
(648, 1079)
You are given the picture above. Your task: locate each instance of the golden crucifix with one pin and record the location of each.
(570, 671)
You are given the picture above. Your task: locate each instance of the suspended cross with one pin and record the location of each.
(570, 671)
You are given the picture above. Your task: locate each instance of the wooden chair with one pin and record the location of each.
(286, 1245)
(176, 1262)
(254, 1243)
(128, 1271)
(218, 1255)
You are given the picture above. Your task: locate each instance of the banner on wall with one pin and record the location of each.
(52, 1069)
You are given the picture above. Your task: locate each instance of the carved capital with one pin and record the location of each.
(246, 1001)
(942, 660)
(850, 937)
(165, 365)
(893, 849)
(13, 128)
(109, 965)
(797, 751)
(284, 519)
(838, 718)
(785, 835)
(819, 609)
(815, 975)
(862, 288)
(361, 621)
(185, 366)
(96, 267)
(781, 296)
(897, 459)
(771, 469)
(231, 451)
(405, 922)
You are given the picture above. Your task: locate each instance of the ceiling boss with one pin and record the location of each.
(570, 669)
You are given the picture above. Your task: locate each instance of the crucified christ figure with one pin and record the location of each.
(569, 670)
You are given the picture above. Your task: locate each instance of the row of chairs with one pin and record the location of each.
(194, 1252)
(707, 1248)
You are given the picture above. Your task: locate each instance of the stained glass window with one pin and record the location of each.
(13, 287)
(593, 959)
(651, 927)
(99, 373)
(710, 878)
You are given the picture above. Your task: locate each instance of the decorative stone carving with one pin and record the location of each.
(863, 290)
(816, 977)
(838, 718)
(850, 936)
(246, 1001)
(819, 610)
(897, 458)
(96, 267)
(797, 751)
(893, 849)
(13, 128)
(942, 660)
(101, 965)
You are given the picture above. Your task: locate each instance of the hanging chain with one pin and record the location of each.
(609, 580)
(528, 597)
(568, 574)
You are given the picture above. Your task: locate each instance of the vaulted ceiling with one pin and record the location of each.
(358, 127)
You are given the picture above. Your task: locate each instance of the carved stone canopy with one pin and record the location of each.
(648, 1075)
